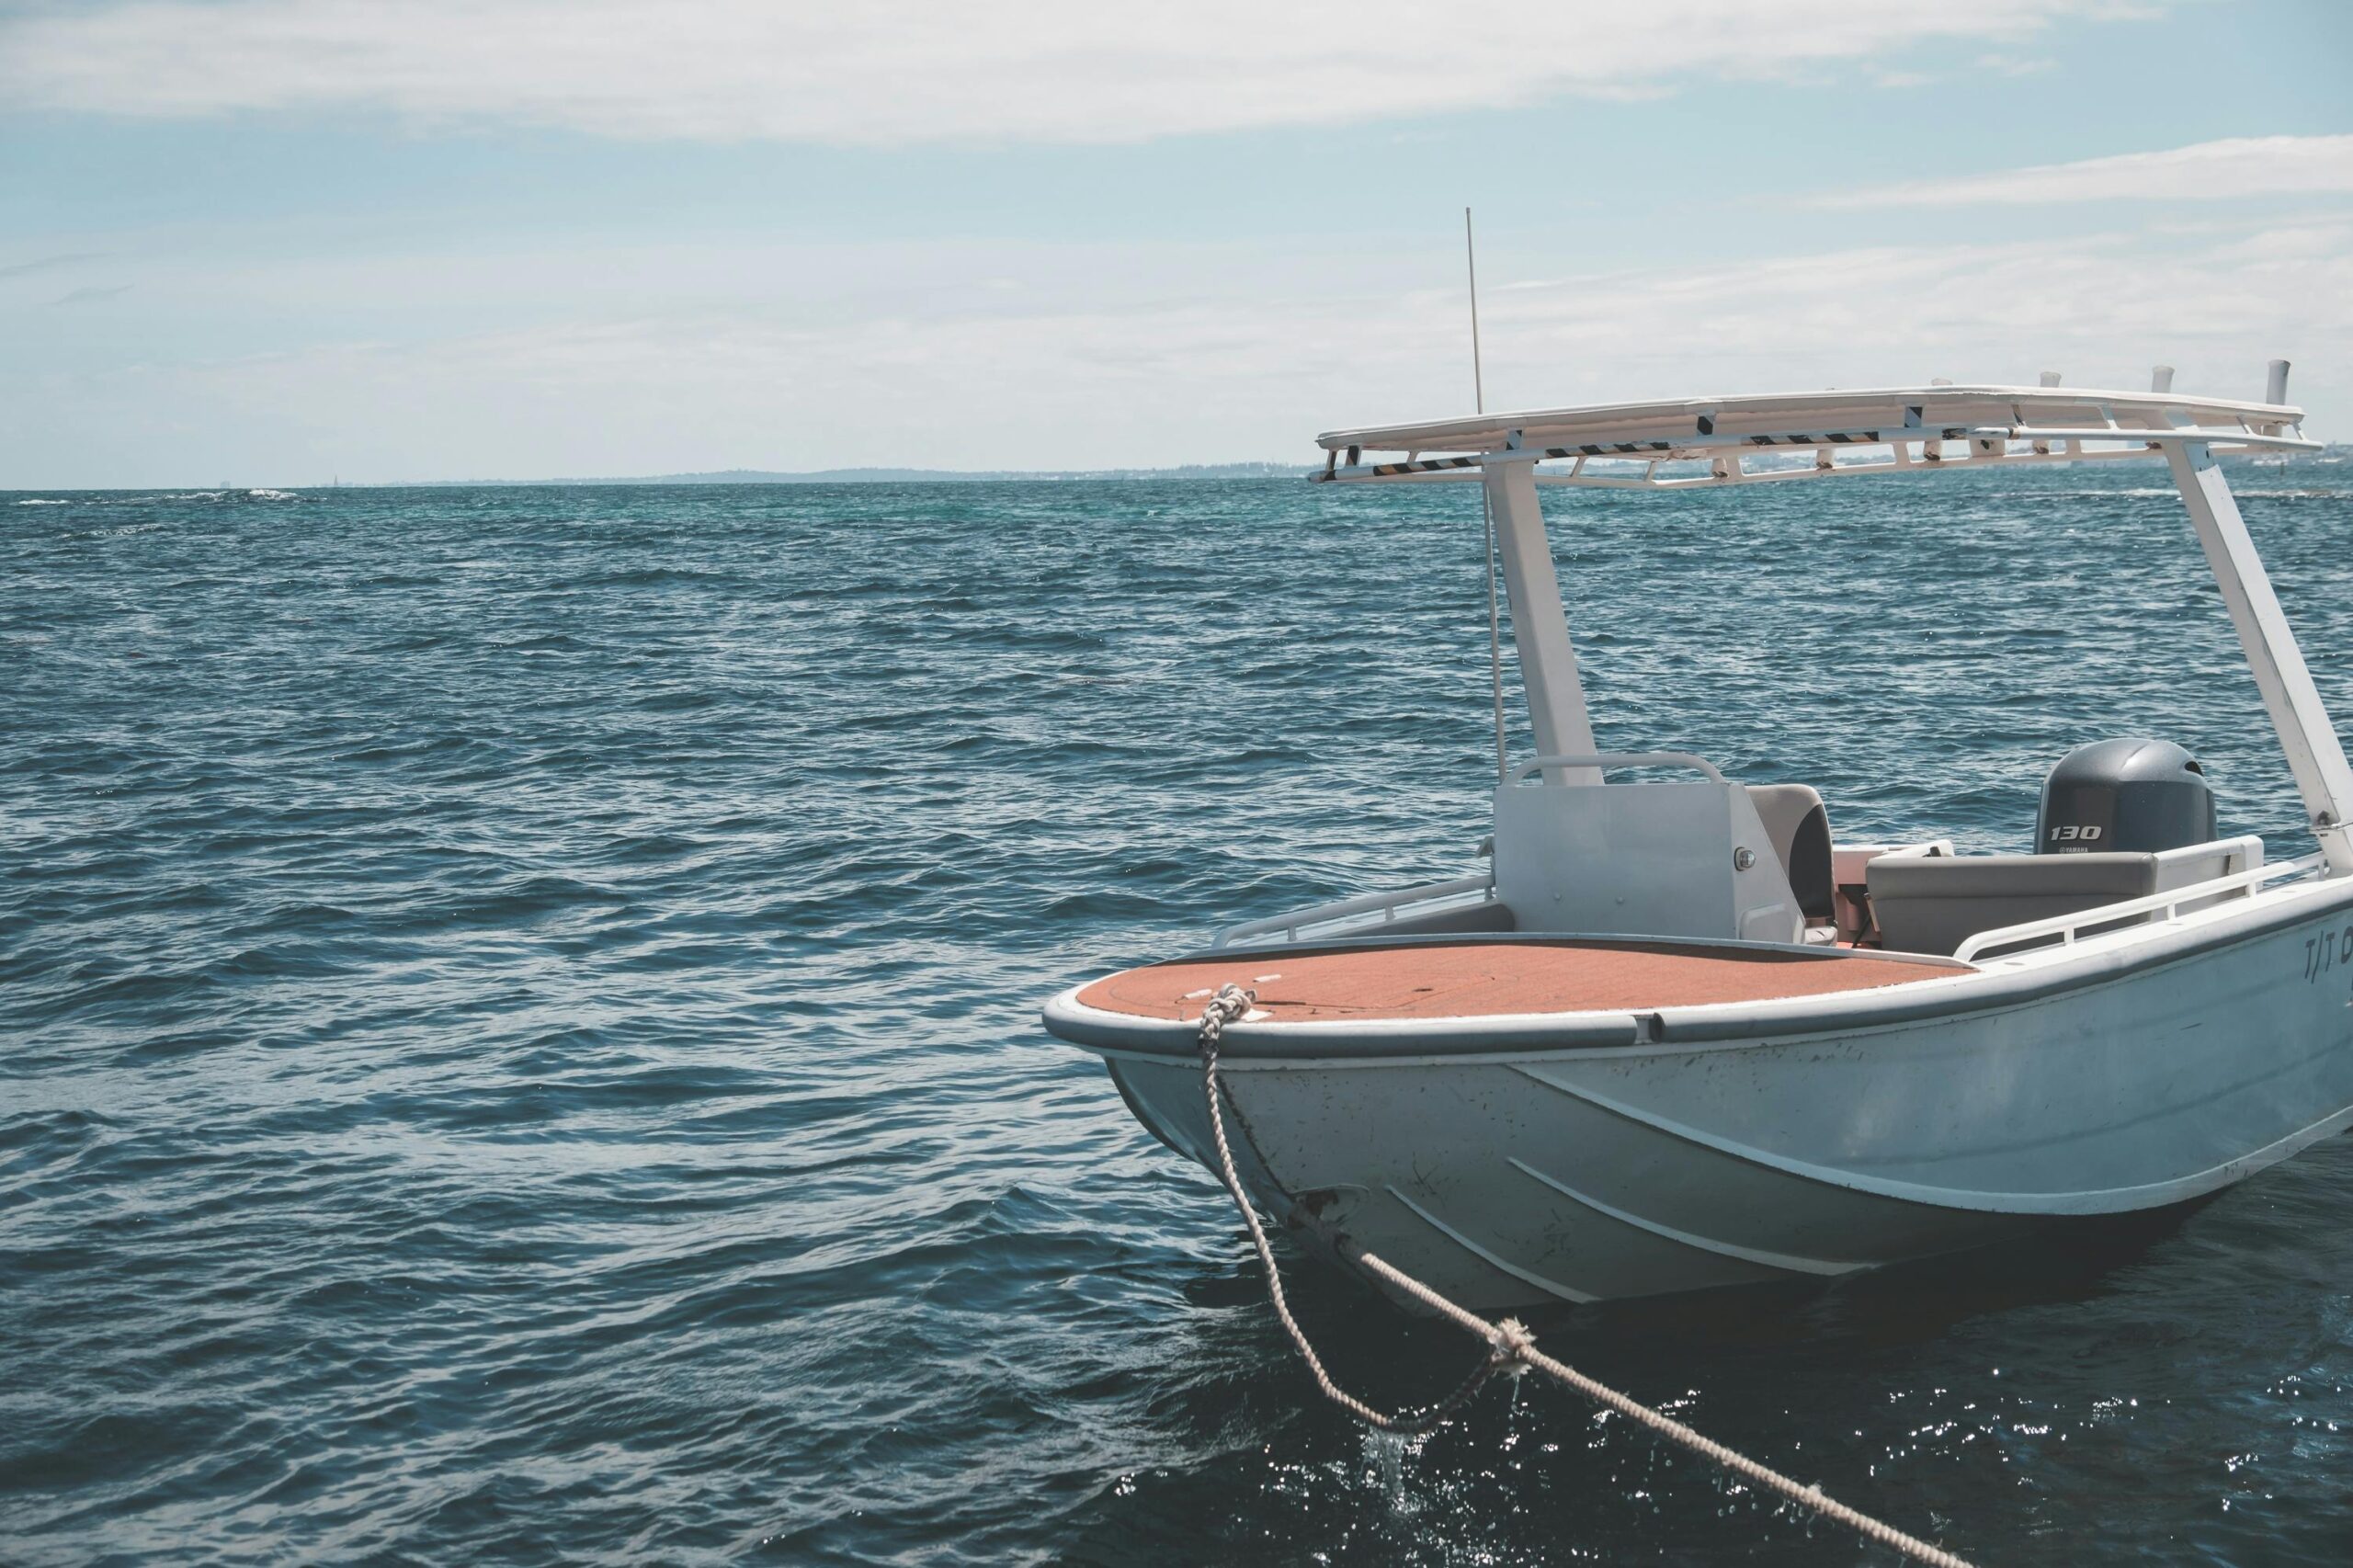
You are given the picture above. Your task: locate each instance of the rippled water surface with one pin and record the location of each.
(518, 1043)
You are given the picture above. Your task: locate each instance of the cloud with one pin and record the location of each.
(2099, 308)
(48, 263)
(884, 73)
(91, 296)
(1135, 358)
(2246, 165)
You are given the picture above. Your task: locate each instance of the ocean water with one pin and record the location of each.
(518, 1023)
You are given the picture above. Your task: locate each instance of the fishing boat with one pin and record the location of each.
(1673, 1035)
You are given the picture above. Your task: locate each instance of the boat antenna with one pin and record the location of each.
(1486, 507)
(1471, 261)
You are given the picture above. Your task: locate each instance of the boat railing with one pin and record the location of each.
(2069, 928)
(1387, 906)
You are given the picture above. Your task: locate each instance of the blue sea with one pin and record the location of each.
(518, 1023)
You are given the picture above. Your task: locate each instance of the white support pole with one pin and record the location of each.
(1540, 628)
(2315, 755)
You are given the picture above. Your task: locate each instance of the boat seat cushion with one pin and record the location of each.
(1932, 904)
(1799, 830)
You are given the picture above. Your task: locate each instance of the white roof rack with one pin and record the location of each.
(1921, 427)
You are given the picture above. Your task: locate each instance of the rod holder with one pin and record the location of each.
(2275, 385)
(2050, 378)
(2161, 379)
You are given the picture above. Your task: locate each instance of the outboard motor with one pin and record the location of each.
(2130, 796)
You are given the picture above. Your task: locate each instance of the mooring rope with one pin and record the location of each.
(1511, 1349)
(1505, 1342)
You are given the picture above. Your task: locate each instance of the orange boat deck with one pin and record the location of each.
(1458, 980)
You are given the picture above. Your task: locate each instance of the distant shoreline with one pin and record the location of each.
(2336, 452)
(958, 476)
(918, 475)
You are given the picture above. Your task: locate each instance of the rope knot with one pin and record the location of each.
(1508, 1348)
(1232, 1003)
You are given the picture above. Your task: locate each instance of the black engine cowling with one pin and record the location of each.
(2124, 795)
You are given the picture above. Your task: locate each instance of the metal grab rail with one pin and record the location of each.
(2237, 436)
(1385, 904)
(1618, 759)
(2067, 926)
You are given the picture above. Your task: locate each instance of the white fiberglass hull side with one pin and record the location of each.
(2120, 1077)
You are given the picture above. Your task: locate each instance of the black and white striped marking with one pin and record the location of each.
(1650, 448)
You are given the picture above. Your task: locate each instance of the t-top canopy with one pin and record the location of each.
(1916, 424)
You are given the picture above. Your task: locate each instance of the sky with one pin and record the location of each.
(280, 242)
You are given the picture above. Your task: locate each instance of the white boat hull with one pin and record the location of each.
(2126, 1074)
